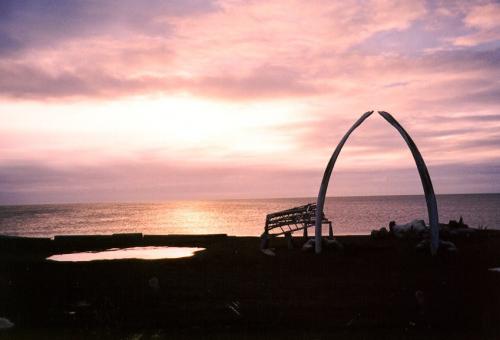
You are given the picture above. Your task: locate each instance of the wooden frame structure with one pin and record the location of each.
(288, 221)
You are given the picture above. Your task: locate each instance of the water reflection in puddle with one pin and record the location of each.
(144, 253)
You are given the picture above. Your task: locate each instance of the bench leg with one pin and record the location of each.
(289, 240)
(264, 241)
(330, 231)
(305, 233)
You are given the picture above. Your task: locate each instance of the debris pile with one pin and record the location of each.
(417, 229)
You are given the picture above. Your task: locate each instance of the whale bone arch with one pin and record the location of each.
(425, 178)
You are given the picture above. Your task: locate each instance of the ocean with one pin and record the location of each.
(350, 215)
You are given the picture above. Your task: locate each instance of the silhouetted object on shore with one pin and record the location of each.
(415, 229)
(422, 170)
(5, 323)
(288, 221)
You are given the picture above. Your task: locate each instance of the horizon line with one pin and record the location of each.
(233, 199)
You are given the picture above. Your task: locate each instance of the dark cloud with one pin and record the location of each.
(30, 82)
(25, 81)
(473, 84)
(436, 137)
(465, 94)
(483, 142)
(8, 43)
(37, 23)
(397, 84)
(264, 81)
(470, 118)
(460, 60)
(153, 181)
(132, 180)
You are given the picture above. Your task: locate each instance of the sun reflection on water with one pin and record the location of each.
(193, 218)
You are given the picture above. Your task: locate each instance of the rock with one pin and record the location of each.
(415, 228)
(452, 224)
(462, 232)
(334, 244)
(308, 245)
(268, 252)
(154, 284)
(448, 246)
(443, 246)
(5, 323)
(382, 233)
(328, 243)
(424, 244)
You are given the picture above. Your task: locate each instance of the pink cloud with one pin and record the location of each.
(307, 61)
(485, 20)
(221, 52)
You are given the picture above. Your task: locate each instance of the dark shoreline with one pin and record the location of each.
(233, 290)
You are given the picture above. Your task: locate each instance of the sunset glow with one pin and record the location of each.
(123, 101)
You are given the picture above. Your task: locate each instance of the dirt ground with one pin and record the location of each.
(373, 288)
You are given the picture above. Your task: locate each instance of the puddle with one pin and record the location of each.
(143, 253)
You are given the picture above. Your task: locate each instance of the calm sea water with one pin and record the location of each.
(350, 215)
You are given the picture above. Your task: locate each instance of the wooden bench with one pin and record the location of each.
(288, 221)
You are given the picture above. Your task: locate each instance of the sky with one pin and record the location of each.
(189, 99)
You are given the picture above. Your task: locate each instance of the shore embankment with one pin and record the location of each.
(372, 287)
